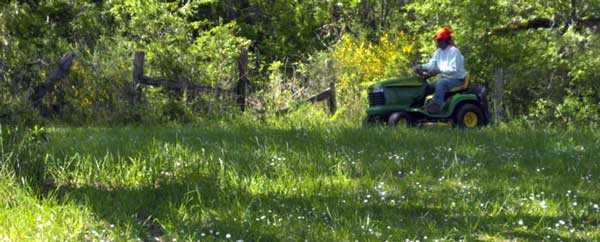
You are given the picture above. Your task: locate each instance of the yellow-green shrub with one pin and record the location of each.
(360, 63)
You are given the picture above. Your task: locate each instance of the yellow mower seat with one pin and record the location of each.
(461, 88)
(452, 91)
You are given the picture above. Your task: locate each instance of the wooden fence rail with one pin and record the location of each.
(184, 85)
(240, 91)
(326, 95)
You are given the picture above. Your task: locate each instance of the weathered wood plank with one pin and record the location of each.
(324, 95)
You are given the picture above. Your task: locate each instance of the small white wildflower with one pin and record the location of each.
(228, 236)
(520, 222)
(543, 204)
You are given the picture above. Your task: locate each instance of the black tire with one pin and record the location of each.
(400, 119)
(469, 116)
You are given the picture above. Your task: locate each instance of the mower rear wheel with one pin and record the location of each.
(400, 119)
(469, 116)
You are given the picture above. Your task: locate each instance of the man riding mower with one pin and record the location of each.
(408, 100)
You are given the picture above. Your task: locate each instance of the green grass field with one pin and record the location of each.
(255, 182)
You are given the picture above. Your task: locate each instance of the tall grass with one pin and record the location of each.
(294, 181)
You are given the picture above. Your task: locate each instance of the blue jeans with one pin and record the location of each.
(442, 86)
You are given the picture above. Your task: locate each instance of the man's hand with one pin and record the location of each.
(417, 68)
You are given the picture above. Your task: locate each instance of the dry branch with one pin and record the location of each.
(538, 23)
(58, 74)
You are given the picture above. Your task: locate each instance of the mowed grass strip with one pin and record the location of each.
(317, 183)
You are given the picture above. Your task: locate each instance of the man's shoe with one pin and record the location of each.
(433, 108)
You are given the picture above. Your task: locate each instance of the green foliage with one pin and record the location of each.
(17, 110)
(365, 41)
(104, 37)
(279, 94)
(574, 112)
(21, 152)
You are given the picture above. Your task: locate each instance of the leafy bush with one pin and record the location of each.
(572, 111)
(17, 110)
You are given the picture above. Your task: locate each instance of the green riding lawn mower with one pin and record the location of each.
(403, 101)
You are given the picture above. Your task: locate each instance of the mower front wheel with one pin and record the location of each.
(400, 119)
(370, 121)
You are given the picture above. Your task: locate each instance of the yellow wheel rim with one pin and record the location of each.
(470, 120)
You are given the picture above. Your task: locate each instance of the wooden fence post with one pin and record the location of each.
(332, 100)
(331, 78)
(243, 80)
(138, 75)
(498, 95)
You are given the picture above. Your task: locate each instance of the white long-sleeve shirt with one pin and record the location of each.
(450, 63)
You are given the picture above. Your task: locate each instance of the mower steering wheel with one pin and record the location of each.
(424, 74)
